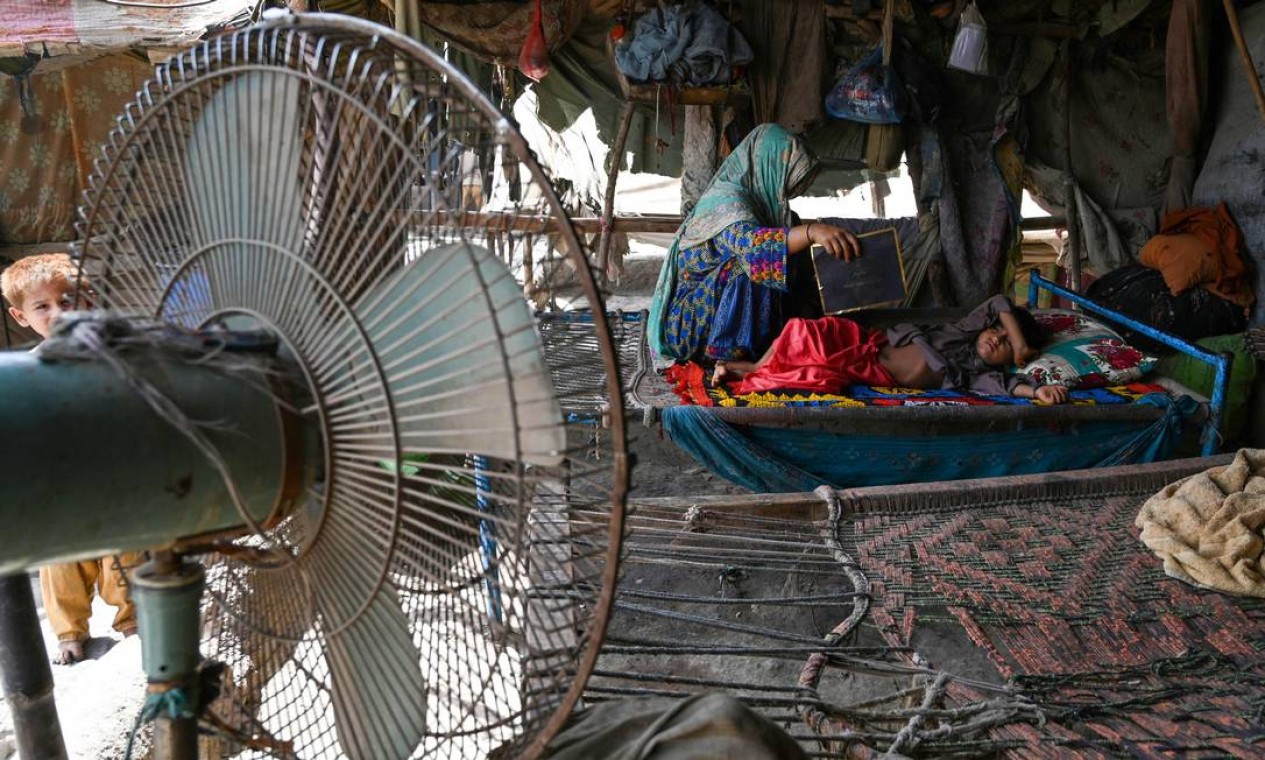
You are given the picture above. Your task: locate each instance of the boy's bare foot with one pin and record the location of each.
(734, 369)
(68, 652)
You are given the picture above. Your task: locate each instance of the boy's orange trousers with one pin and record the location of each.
(67, 590)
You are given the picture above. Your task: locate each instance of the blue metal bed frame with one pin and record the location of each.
(1220, 362)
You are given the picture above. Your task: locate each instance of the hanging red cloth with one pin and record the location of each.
(533, 61)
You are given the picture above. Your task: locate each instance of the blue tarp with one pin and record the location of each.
(781, 459)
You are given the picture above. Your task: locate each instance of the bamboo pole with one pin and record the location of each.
(1069, 178)
(1254, 81)
(616, 159)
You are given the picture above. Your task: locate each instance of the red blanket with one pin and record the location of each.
(820, 356)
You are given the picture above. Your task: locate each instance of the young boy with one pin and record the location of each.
(824, 355)
(39, 288)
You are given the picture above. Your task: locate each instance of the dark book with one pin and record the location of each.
(873, 280)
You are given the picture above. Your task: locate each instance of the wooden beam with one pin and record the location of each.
(1043, 223)
(510, 222)
(16, 252)
(805, 506)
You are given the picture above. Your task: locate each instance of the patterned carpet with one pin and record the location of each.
(1071, 608)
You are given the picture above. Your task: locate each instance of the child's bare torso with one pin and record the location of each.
(908, 366)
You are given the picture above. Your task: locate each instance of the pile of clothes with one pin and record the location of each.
(690, 45)
(1193, 280)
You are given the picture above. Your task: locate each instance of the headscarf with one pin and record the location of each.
(754, 184)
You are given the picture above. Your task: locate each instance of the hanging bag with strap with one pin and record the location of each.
(870, 92)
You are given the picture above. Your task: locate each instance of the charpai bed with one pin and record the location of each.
(1007, 617)
(779, 442)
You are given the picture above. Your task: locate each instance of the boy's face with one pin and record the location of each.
(42, 304)
(994, 348)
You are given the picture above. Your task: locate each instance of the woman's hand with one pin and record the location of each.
(1051, 394)
(837, 241)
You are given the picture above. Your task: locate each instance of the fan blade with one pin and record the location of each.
(463, 361)
(242, 169)
(376, 682)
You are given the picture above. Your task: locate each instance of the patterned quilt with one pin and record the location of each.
(692, 385)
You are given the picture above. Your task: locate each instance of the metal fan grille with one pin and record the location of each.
(444, 585)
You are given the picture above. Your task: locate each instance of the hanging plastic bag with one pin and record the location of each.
(970, 46)
(534, 60)
(870, 93)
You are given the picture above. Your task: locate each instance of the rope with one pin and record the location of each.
(695, 520)
(771, 629)
(173, 704)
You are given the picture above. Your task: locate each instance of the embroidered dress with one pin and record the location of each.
(719, 291)
(743, 318)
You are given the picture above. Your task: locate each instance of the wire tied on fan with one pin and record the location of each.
(92, 335)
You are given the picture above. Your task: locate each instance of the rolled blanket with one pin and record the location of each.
(1208, 528)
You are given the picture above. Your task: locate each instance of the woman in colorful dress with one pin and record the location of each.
(721, 290)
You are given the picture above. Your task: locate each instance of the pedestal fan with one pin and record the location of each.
(316, 380)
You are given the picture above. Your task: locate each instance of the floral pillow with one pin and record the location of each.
(1084, 353)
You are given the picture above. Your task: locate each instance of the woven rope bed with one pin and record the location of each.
(571, 351)
(1013, 616)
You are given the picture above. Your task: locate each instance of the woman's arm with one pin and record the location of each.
(837, 241)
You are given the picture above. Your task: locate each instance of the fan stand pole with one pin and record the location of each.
(24, 670)
(167, 591)
(487, 541)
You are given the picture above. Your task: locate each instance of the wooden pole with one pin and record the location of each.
(24, 672)
(616, 160)
(1069, 179)
(1253, 80)
(699, 154)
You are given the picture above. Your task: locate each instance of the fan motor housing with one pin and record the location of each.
(90, 469)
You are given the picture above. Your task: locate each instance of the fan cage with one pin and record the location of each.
(286, 178)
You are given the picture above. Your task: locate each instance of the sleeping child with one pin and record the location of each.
(825, 355)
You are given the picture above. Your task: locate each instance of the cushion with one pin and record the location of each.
(1185, 260)
(1084, 353)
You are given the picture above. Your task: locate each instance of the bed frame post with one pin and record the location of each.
(1220, 385)
(1221, 363)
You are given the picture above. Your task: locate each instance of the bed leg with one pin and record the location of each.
(1220, 386)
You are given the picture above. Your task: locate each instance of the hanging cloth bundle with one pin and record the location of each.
(534, 60)
(21, 68)
(871, 93)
